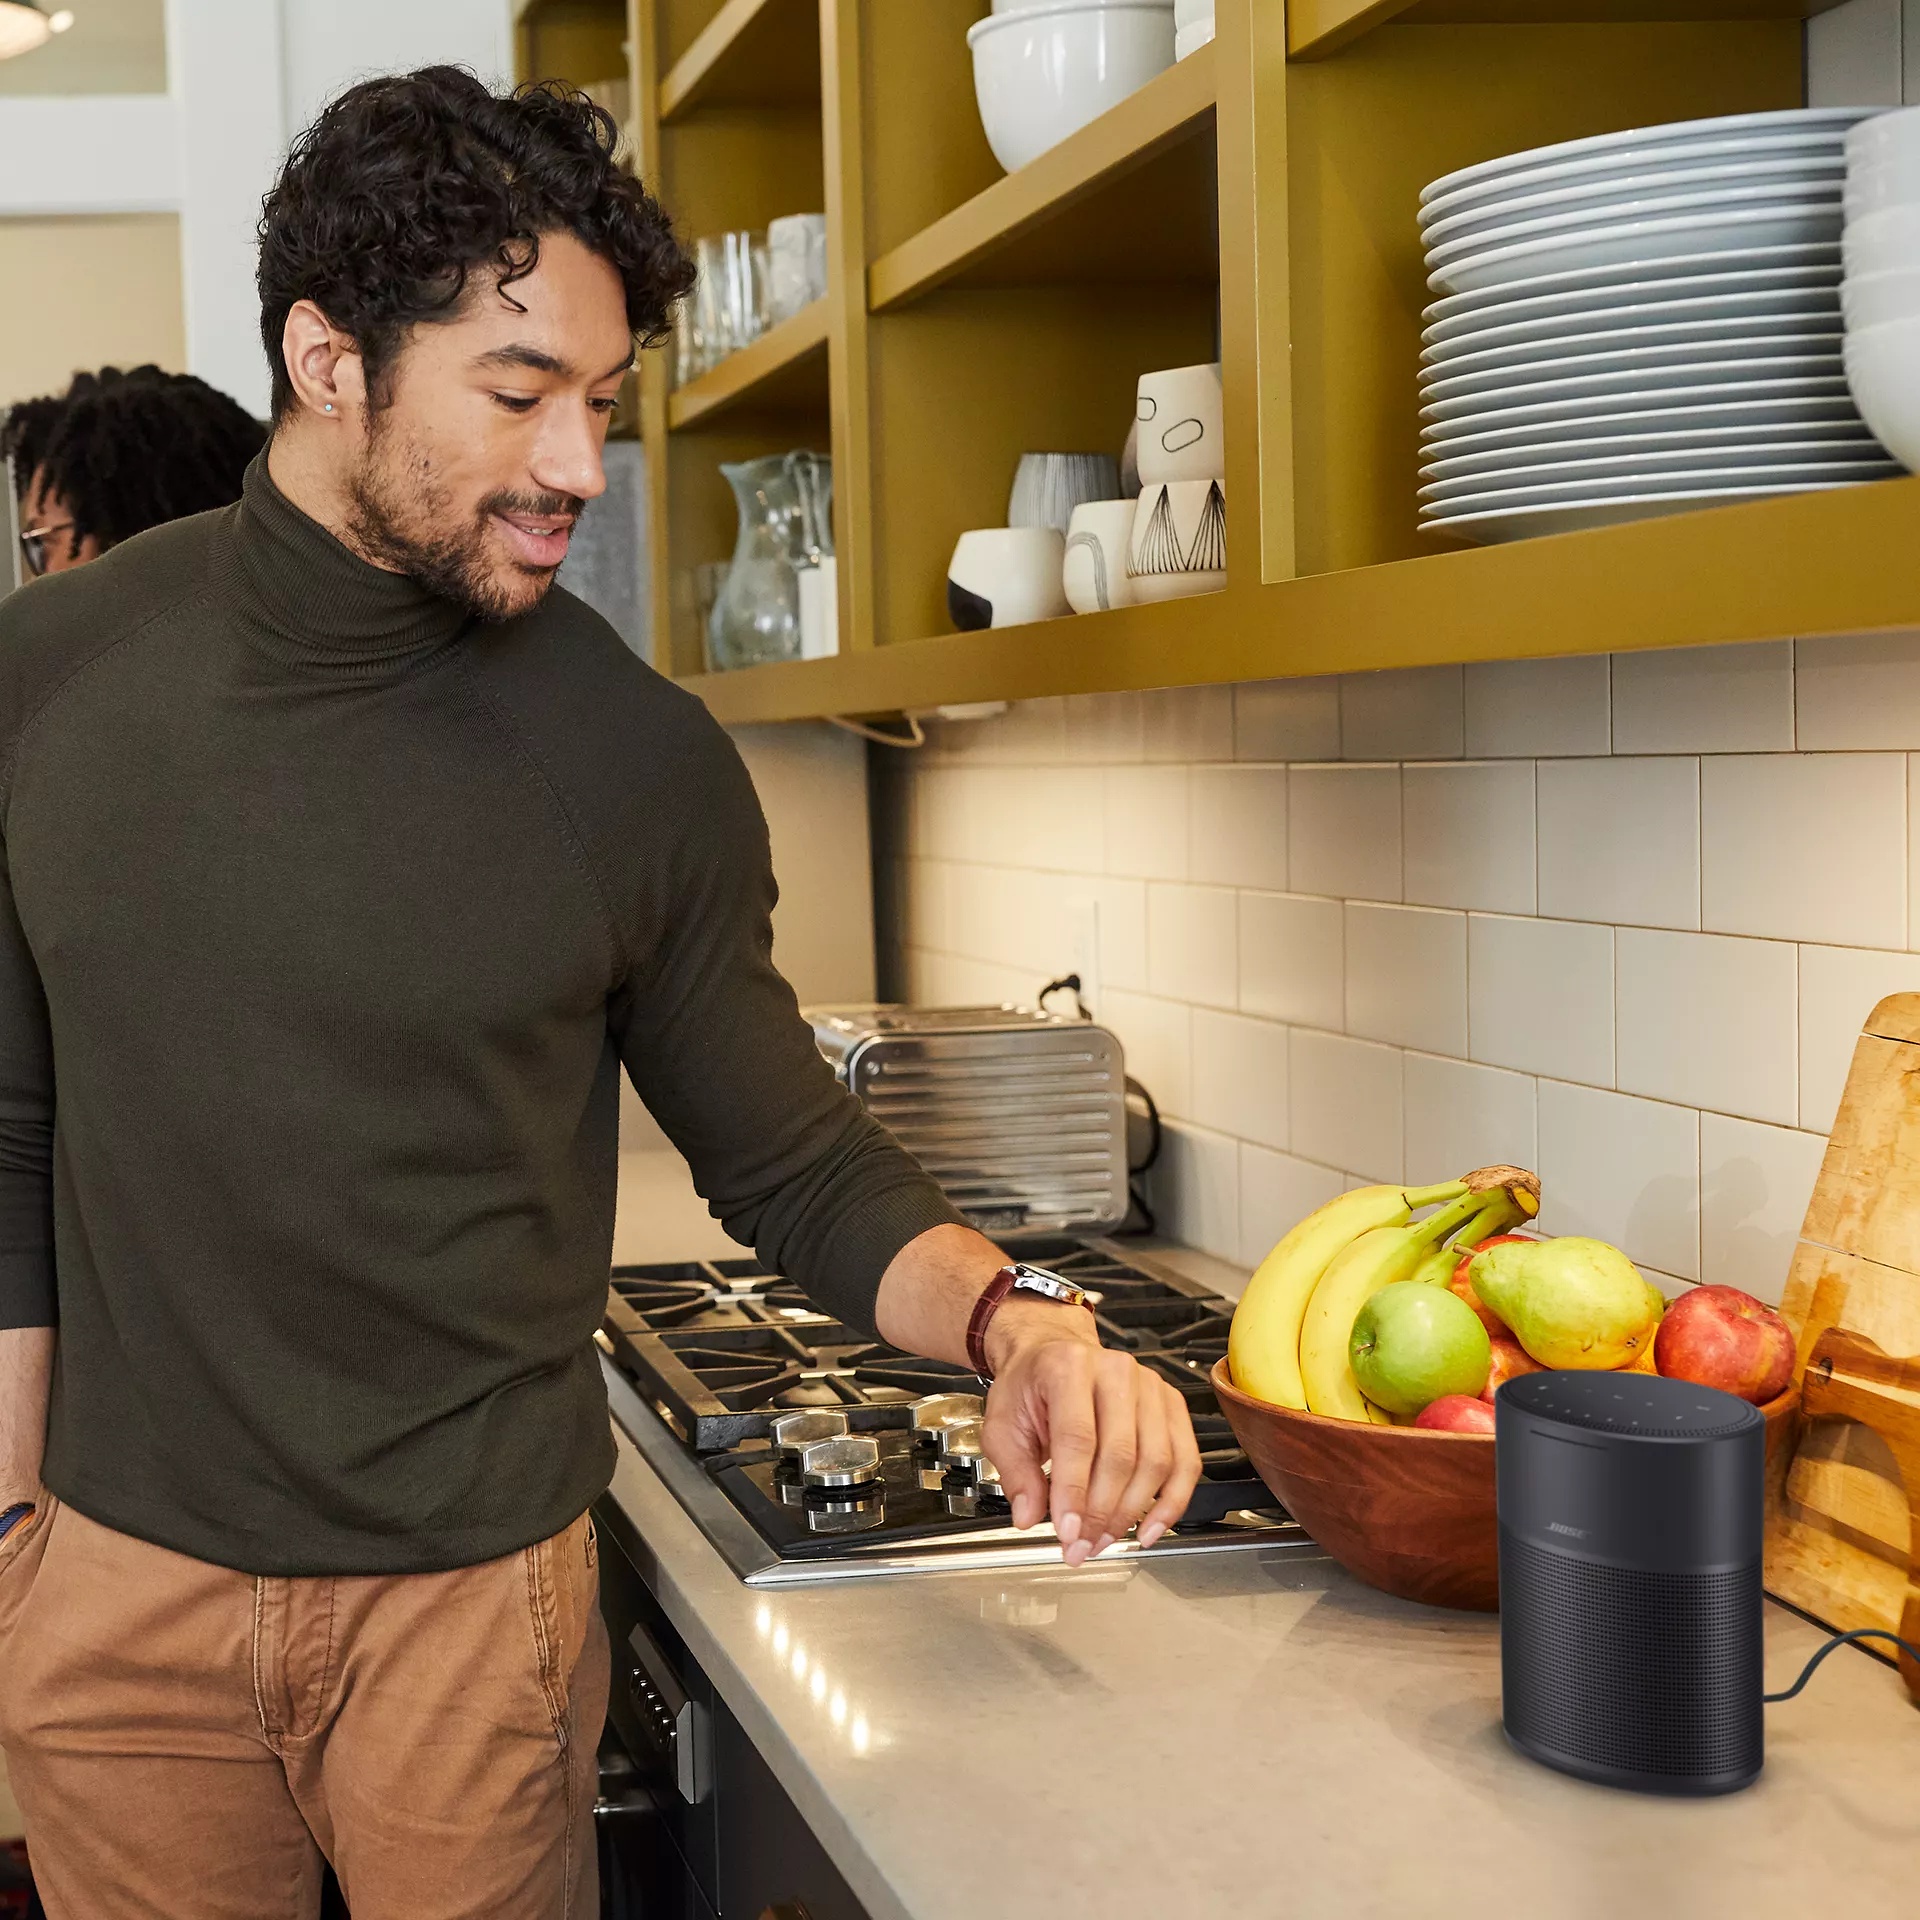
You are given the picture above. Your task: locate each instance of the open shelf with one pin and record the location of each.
(784, 371)
(1761, 571)
(1319, 28)
(1136, 232)
(752, 53)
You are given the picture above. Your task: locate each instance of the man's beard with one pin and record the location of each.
(404, 519)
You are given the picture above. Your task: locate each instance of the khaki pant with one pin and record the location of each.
(188, 1742)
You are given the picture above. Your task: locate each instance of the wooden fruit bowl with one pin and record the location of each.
(1402, 1508)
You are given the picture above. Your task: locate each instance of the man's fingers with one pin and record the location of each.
(1017, 1455)
(1071, 1435)
(1117, 1383)
(1182, 1476)
(1153, 1458)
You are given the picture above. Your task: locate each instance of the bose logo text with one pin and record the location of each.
(1555, 1526)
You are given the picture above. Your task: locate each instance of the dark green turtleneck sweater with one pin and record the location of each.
(328, 920)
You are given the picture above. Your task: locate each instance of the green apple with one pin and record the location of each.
(1412, 1343)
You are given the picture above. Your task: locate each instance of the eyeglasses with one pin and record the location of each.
(33, 545)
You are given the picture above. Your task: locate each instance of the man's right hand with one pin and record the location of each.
(26, 1379)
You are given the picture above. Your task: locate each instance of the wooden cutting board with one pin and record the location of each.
(1841, 1534)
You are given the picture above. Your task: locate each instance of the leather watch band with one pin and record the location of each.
(984, 1309)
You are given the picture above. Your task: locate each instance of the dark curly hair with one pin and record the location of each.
(129, 451)
(407, 185)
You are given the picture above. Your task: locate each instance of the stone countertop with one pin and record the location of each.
(1251, 1734)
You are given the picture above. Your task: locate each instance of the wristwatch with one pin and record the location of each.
(1021, 1278)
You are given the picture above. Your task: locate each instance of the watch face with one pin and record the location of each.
(1039, 1280)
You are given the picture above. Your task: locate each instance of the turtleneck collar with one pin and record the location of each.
(312, 602)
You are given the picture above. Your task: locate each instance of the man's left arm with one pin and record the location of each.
(795, 1167)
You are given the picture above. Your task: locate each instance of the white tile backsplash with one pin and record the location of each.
(1406, 713)
(1704, 699)
(1620, 841)
(1523, 708)
(1292, 959)
(1407, 976)
(1707, 1021)
(1238, 826)
(1619, 918)
(1345, 1107)
(1540, 997)
(1240, 1076)
(1343, 831)
(1805, 846)
(1755, 1183)
(1623, 1170)
(1468, 834)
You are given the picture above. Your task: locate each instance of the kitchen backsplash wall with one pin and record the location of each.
(1615, 918)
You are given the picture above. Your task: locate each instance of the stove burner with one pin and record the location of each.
(742, 1379)
(885, 1366)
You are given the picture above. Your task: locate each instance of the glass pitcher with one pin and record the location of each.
(757, 614)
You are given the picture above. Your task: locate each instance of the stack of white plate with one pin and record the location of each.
(1636, 324)
(1881, 292)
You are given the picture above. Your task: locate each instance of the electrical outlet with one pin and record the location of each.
(1083, 936)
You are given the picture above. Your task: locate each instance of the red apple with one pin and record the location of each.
(1461, 1285)
(1721, 1337)
(1456, 1413)
(1509, 1358)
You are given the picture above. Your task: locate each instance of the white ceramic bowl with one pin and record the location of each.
(1002, 576)
(1883, 369)
(1884, 137)
(1041, 73)
(1884, 242)
(1874, 299)
(1892, 182)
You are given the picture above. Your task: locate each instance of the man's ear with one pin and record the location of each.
(323, 365)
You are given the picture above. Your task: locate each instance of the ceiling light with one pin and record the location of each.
(25, 25)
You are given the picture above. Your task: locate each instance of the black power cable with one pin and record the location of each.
(1840, 1640)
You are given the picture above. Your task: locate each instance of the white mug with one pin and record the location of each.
(1095, 573)
(1182, 436)
(1179, 543)
(1001, 576)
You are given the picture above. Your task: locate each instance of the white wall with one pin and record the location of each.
(328, 44)
(1865, 54)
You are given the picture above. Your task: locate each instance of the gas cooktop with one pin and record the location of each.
(843, 1455)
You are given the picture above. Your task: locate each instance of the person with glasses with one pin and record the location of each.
(118, 453)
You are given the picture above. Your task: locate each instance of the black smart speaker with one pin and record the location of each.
(1631, 1524)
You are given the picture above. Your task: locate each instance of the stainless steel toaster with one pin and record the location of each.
(1020, 1116)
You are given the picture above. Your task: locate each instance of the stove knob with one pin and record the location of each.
(959, 1442)
(792, 1433)
(933, 1413)
(851, 1460)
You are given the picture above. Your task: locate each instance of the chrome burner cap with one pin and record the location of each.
(793, 1433)
(850, 1460)
(937, 1409)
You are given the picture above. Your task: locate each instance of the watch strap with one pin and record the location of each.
(995, 1291)
(11, 1517)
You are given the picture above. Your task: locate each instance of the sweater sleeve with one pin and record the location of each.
(786, 1158)
(26, 1129)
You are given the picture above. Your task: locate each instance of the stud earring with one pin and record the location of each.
(329, 406)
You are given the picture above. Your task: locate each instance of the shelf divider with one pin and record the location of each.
(1165, 111)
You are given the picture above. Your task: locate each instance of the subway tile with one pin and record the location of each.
(1188, 723)
(1839, 988)
(1407, 976)
(1468, 833)
(1287, 719)
(1857, 691)
(1540, 997)
(1755, 1183)
(1107, 728)
(1620, 841)
(1344, 1102)
(1277, 1192)
(953, 980)
(1517, 709)
(1404, 713)
(1343, 831)
(1461, 1116)
(1240, 1076)
(1122, 908)
(1052, 818)
(1008, 916)
(1622, 1170)
(1157, 1038)
(1292, 964)
(1193, 944)
(1707, 1021)
(1805, 846)
(927, 916)
(1704, 699)
(1027, 733)
(1146, 822)
(1196, 1190)
(1238, 826)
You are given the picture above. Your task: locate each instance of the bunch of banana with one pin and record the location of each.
(1288, 1344)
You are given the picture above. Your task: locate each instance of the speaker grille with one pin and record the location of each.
(1653, 1674)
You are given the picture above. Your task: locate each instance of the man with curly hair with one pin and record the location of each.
(347, 863)
(120, 452)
